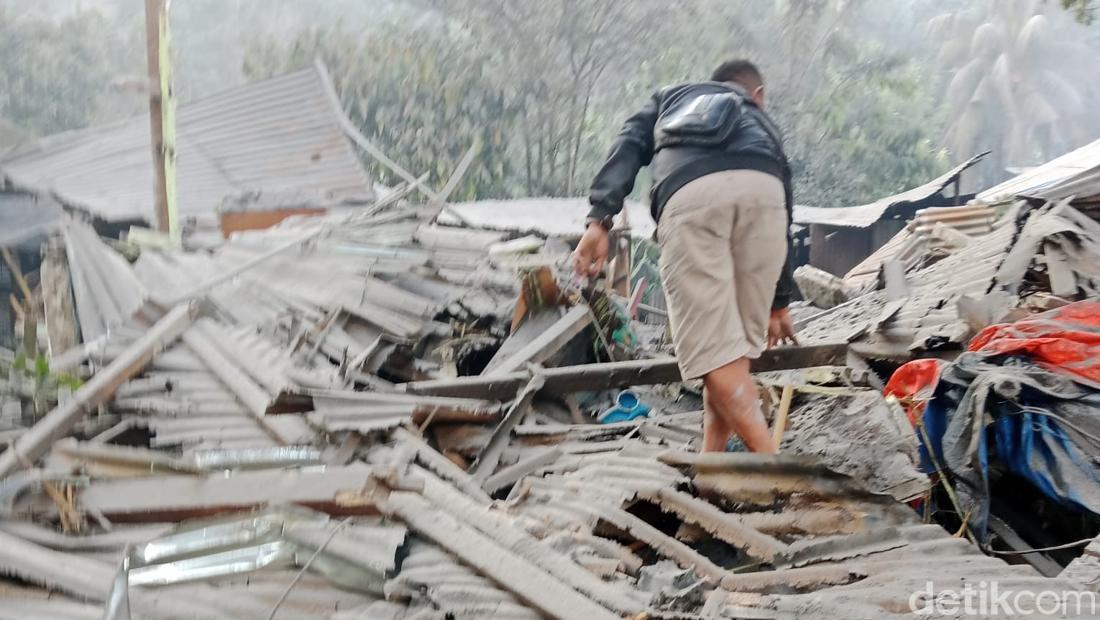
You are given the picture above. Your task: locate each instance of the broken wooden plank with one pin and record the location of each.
(663, 544)
(613, 375)
(57, 300)
(359, 139)
(58, 422)
(545, 344)
(527, 581)
(798, 579)
(489, 458)
(895, 283)
(781, 415)
(174, 498)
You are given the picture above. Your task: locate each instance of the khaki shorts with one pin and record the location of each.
(723, 242)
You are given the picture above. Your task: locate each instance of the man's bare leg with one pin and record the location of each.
(715, 430)
(732, 402)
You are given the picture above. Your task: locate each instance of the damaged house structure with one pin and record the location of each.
(392, 409)
(277, 145)
(839, 238)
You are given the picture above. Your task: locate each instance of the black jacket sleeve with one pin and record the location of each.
(784, 289)
(633, 149)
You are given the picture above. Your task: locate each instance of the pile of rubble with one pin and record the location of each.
(374, 408)
(365, 414)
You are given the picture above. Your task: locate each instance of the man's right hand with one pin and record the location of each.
(591, 252)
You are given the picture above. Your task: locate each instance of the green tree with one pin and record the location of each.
(423, 95)
(858, 118)
(56, 75)
(553, 56)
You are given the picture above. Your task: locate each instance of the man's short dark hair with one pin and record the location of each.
(739, 70)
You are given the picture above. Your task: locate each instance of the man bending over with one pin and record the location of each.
(722, 201)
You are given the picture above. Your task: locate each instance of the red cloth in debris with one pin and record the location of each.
(1065, 339)
(912, 384)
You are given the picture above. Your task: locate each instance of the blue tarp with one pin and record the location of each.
(1036, 423)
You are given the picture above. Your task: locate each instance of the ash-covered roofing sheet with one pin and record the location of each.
(913, 242)
(987, 277)
(863, 216)
(105, 291)
(1076, 174)
(279, 134)
(552, 217)
(286, 390)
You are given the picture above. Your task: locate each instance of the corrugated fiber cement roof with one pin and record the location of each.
(275, 135)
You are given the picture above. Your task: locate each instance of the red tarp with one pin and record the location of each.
(1065, 339)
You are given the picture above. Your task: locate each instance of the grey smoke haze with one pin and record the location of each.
(1022, 88)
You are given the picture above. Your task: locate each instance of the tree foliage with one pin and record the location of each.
(55, 75)
(424, 97)
(1022, 79)
(543, 85)
(546, 84)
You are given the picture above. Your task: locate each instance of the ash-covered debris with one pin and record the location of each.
(365, 412)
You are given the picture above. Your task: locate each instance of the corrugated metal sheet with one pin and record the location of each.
(864, 215)
(1076, 173)
(552, 217)
(276, 135)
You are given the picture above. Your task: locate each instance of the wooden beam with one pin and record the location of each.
(57, 299)
(17, 274)
(614, 375)
(544, 345)
(61, 420)
(781, 415)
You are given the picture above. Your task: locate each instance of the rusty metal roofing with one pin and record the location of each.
(275, 135)
(1076, 173)
(863, 216)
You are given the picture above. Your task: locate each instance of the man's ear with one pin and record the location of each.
(758, 95)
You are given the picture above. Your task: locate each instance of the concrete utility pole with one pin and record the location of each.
(162, 116)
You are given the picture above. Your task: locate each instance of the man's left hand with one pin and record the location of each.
(780, 328)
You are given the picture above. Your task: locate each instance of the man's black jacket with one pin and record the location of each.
(755, 144)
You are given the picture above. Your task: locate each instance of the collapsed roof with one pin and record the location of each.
(274, 135)
(296, 445)
(1075, 174)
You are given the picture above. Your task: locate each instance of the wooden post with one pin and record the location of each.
(162, 121)
(781, 415)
